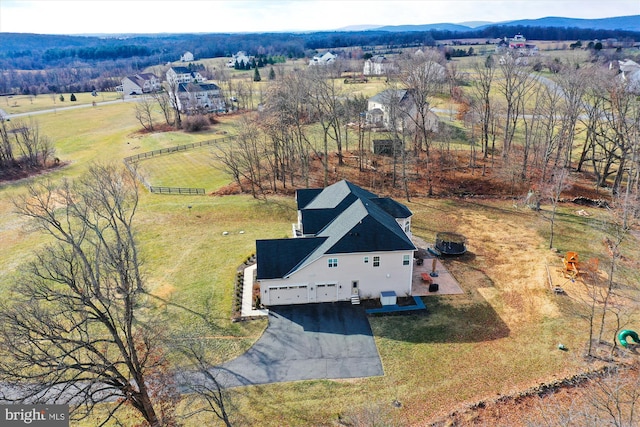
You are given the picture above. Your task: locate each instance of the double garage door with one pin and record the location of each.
(302, 294)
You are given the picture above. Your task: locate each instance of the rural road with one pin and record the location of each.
(55, 110)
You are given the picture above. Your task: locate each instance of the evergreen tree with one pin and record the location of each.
(72, 98)
(61, 98)
(236, 66)
(272, 74)
(256, 75)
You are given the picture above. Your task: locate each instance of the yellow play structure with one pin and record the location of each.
(572, 266)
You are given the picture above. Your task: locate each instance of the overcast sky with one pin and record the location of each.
(182, 16)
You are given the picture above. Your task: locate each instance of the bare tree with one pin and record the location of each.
(614, 398)
(6, 148)
(164, 102)
(625, 215)
(424, 76)
(229, 160)
(552, 191)
(34, 149)
(515, 83)
(73, 331)
(328, 109)
(484, 77)
(284, 120)
(172, 88)
(206, 394)
(612, 121)
(144, 112)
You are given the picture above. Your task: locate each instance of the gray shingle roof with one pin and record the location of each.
(181, 70)
(344, 219)
(277, 257)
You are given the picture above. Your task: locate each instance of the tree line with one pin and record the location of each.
(33, 51)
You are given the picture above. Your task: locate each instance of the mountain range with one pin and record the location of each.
(626, 23)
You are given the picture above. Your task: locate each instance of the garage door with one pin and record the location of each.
(288, 295)
(327, 292)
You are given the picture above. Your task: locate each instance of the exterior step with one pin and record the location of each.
(355, 299)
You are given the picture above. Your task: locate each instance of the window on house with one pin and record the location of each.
(333, 262)
(376, 261)
(407, 227)
(366, 260)
(405, 260)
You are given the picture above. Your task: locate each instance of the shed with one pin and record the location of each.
(388, 298)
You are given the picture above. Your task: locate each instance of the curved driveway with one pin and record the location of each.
(304, 342)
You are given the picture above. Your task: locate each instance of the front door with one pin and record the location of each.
(354, 287)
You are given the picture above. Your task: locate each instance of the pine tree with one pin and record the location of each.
(256, 75)
(272, 74)
(61, 98)
(72, 98)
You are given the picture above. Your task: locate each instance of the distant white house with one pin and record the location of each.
(187, 57)
(240, 57)
(630, 73)
(177, 75)
(199, 97)
(398, 106)
(139, 84)
(324, 59)
(377, 66)
(348, 243)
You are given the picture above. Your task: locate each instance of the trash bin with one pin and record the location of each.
(433, 287)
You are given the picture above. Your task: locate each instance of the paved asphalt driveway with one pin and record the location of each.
(303, 342)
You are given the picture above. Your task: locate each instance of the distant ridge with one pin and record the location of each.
(425, 27)
(625, 23)
(475, 24)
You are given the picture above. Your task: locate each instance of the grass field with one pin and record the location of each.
(500, 336)
(17, 104)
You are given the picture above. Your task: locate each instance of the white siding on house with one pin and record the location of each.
(391, 275)
(129, 87)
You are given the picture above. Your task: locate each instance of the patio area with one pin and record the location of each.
(447, 284)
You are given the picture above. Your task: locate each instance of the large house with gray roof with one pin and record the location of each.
(199, 97)
(348, 244)
(397, 106)
(139, 84)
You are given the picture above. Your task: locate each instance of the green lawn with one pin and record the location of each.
(203, 170)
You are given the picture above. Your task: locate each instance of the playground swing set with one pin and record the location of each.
(571, 271)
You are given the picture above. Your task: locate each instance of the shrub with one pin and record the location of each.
(195, 123)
